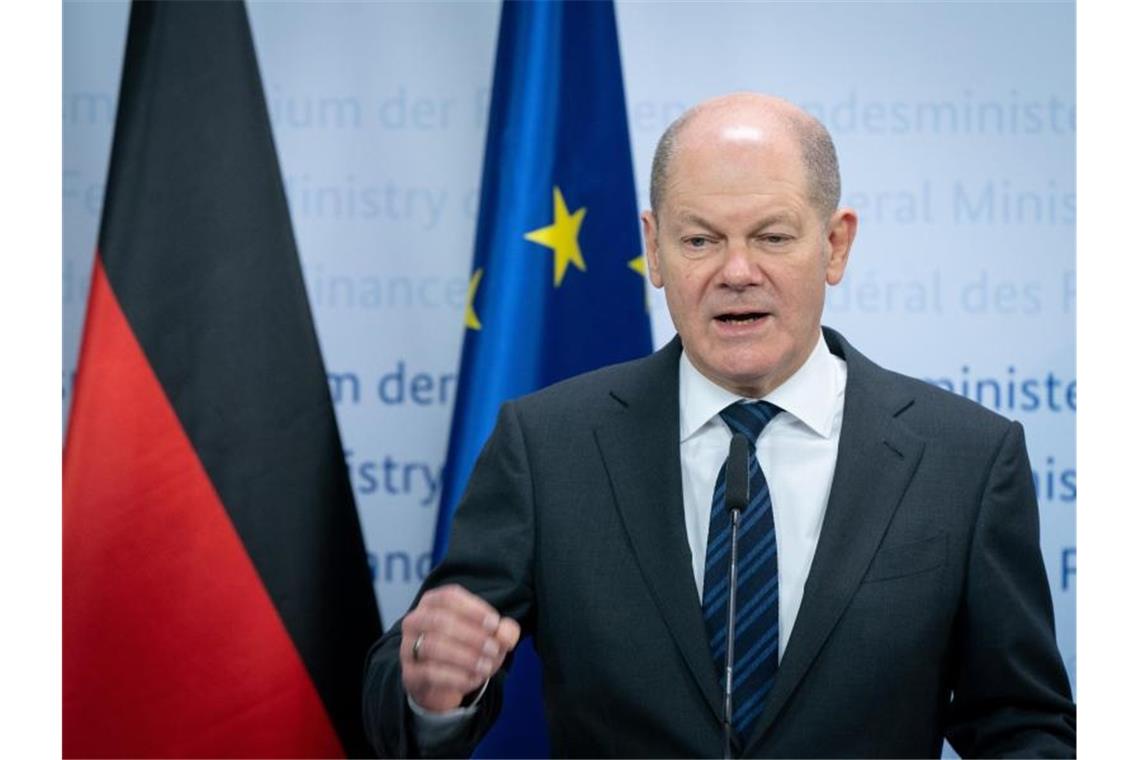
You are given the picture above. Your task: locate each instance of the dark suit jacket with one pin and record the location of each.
(926, 612)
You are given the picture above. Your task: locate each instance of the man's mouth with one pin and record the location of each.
(742, 317)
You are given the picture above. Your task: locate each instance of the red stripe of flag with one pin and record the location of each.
(171, 646)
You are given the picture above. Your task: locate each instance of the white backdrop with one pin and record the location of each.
(955, 126)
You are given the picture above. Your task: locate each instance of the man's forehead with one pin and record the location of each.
(768, 209)
(753, 211)
(738, 167)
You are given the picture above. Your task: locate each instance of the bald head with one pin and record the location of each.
(742, 114)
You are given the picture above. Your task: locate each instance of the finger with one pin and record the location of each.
(420, 672)
(508, 633)
(455, 613)
(506, 638)
(464, 605)
(442, 651)
(442, 625)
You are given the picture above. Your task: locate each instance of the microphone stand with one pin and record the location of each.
(736, 497)
(730, 653)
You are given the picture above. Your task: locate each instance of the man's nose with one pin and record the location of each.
(739, 269)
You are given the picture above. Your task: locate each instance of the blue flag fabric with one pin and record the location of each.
(557, 285)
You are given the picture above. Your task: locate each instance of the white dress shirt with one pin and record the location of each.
(797, 452)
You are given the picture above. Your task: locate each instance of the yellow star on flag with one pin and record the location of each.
(561, 237)
(638, 265)
(470, 319)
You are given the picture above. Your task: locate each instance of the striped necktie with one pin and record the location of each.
(757, 604)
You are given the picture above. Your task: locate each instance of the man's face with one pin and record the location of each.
(744, 256)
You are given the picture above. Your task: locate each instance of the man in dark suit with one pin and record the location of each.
(899, 595)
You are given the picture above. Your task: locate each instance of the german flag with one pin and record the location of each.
(216, 597)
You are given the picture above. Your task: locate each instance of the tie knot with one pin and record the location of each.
(749, 418)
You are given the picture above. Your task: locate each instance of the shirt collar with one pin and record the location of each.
(810, 394)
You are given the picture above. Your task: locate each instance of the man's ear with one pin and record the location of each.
(840, 235)
(649, 231)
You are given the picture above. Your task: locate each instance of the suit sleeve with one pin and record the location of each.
(1011, 694)
(490, 553)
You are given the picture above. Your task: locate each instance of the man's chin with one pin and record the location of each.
(752, 379)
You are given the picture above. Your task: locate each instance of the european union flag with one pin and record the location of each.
(557, 287)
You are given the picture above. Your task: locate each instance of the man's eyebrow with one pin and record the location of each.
(688, 217)
(777, 217)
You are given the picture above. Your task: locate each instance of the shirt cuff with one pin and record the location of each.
(434, 729)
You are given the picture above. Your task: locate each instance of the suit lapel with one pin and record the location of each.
(876, 460)
(640, 447)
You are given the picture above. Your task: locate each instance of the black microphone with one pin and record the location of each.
(736, 480)
(736, 498)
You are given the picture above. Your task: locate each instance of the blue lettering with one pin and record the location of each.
(344, 386)
(390, 468)
(1053, 484)
(1069, 485)
(422, 480)
(366, 470)
(403, 559)
(1068, 566)
(397, 567)
(1051, 384)
(1029, 391)
(422, 389)
(391, 386)
(423, 566)
(1013, 393)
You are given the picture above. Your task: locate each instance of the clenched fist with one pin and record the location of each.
(453, 641)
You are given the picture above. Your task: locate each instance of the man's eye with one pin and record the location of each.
(774, 239)
(696, 242)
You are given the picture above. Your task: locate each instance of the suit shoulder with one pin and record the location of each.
(579, 394)
(930, 410)
(936, 411)
(926, 407)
